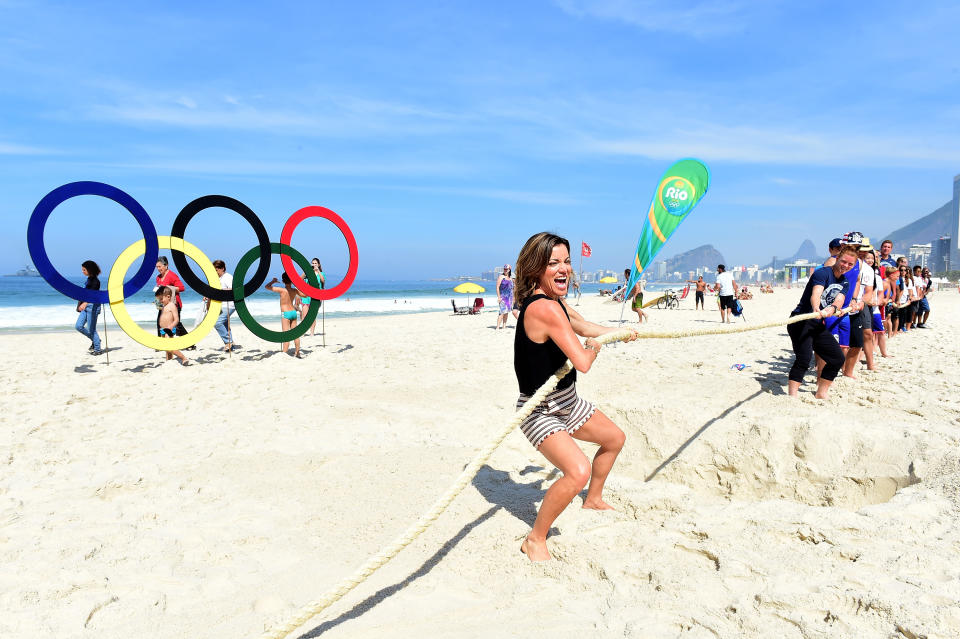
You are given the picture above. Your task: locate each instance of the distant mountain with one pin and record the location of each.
(807, 251)
(922, 231)
(696, 258)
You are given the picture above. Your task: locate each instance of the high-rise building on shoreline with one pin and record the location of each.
(955, 223)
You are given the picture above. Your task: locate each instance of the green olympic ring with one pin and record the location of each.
(252, 325)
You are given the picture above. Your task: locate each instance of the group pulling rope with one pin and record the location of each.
(466, 476)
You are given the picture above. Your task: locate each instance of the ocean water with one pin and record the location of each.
(29, 304)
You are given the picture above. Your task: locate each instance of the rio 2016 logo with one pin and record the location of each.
(677, 195)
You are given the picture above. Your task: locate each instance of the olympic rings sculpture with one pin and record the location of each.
(118, 290)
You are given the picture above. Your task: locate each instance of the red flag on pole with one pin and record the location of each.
(585, 251)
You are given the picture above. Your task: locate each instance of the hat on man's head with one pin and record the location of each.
(835, 243)
(853, 237)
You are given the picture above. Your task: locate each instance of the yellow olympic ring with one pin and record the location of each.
(115, 292)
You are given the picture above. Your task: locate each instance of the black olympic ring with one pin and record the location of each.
(263, 241)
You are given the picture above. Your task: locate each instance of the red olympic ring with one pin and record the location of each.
(287, 234)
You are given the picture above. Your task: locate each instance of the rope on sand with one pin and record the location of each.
(465, 477)
(391, 550)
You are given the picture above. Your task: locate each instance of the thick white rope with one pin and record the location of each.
(390, 551)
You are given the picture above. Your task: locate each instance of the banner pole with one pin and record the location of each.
(106, 341)
(580, 279)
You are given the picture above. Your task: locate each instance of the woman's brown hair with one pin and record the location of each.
(532, 262)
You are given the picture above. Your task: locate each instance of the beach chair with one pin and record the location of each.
(477, 305)
(459, 310)
(686, 290)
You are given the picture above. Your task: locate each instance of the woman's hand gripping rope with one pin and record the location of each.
(391, 550)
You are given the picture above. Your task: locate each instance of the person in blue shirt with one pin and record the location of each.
(824, 294)
(886, 259)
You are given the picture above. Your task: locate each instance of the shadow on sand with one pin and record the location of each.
(699, 432)
(497, 488)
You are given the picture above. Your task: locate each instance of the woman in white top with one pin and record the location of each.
(907, 296)
(878, 336)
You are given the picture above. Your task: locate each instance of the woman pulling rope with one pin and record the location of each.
(546, 337)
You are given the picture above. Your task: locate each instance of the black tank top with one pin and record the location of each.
(535, 363)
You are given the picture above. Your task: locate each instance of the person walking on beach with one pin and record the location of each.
(635, 297)
(166, 277)
(823, 294)
(728, 290)
(546, 337)
(505, 286)
(226, 309)
(288, 315)
(169, 319)
(701, 287)
(90, 311)
(305, 301)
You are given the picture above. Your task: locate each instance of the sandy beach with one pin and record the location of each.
(145, 499)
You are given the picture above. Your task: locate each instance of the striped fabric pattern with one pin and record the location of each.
(561, 410)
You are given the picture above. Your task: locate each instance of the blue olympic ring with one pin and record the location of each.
(38, 252)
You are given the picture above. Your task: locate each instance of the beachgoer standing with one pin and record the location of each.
(848, 330)
(90, 311)
(226, 309)
(728, 290)
(169, 319)
(886, 260)
(891, 291)
(546, 337)
(875, 336)
(635, 297)
(701, 287)
(924, 307)
(504, 295)
(823, 294)
(304, 306)
(861, 288)
(166, 277)
(288, 315)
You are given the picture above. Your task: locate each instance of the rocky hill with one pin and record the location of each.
(806, 251)
(696, 258)
(922, 231)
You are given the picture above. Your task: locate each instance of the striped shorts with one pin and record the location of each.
(561, 410)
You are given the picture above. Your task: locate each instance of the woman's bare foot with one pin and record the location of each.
(597, 504)
(535, 550)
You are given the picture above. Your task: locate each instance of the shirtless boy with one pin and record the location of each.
(288, 314)
(701, 287)
(169, 319)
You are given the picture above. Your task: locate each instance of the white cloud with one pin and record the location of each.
(22, 149)
(230, 166)
(698, 19)
(341, 116)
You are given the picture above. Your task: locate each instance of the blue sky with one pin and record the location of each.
(447, 133)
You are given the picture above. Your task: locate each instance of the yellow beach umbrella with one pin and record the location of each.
(469, 287)
(608, 280)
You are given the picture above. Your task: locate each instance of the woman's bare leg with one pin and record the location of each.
(600, 430)
(561, 451)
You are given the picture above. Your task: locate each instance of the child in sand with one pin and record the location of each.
(169, 319)
(288, 314)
